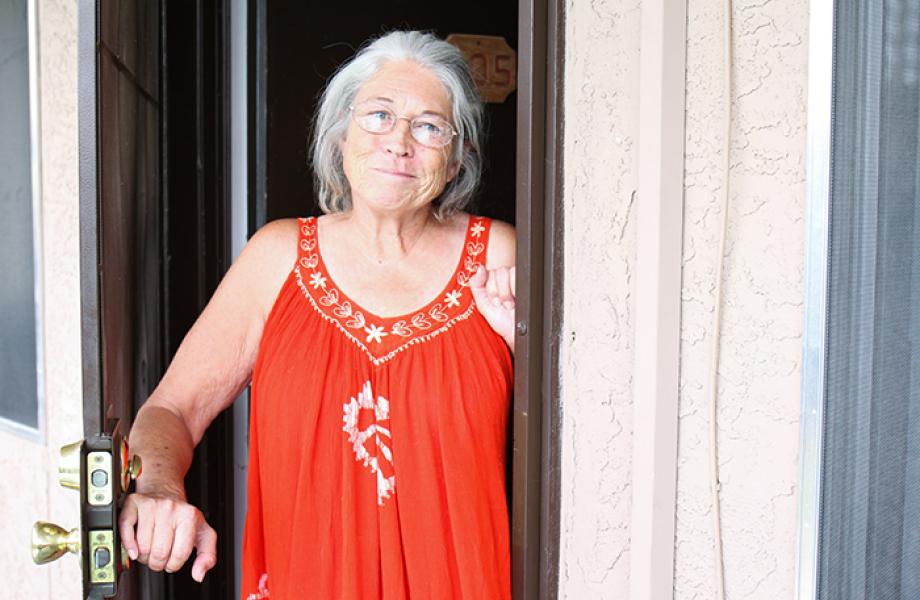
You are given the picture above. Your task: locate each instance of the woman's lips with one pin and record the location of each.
(394, 173)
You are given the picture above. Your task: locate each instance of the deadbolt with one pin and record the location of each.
(69, 467)
(99, 488)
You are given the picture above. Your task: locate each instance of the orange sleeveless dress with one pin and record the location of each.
(377, 445)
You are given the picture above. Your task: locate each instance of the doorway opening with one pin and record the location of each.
(293, 51)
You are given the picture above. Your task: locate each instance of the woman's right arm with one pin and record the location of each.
(211, 367)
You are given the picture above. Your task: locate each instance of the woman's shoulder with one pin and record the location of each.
(502, 245)
(276, 241)
(268, 259)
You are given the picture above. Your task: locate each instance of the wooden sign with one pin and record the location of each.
(492, 62)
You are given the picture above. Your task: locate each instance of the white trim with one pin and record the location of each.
(662, 85)
(37, 203)
(34, 434)
(239, 229)
(818, 157)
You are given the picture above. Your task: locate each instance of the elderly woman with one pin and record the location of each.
(378, 340)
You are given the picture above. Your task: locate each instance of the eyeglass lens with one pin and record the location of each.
(428, 130)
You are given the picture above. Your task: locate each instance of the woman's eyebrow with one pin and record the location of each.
(387, 100)
(434, 113)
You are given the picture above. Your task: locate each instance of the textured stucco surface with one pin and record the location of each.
(759, 374)
(28, 469)
(601, 117)
(762, 306)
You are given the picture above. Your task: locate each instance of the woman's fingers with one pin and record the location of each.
(182, 546)
(499, 287)
(492, 285)
(162, 532)
(127, 519)
(496, 285)
(479, 278)
(144, 530)
(161, 544)
(206, 545)
(493, 292)
(503, 283)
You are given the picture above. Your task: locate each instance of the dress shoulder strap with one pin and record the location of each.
(477, 238)
(307, 255)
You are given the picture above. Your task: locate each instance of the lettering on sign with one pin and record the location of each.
(492, 62)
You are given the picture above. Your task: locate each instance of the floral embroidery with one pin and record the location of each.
(358, 412)
(452, 298)
(263, 589)
(399, 328)
(375, 333)
(371, 336)
(421, 322)
(437, 314)
(317, 280)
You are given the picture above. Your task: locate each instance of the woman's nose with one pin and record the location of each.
(399, 139)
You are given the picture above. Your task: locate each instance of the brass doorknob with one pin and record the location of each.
(134, 467)
(69, 467)
(130, 468)
(50, 542)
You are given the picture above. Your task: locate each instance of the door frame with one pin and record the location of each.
(536, 484)
(537, 413)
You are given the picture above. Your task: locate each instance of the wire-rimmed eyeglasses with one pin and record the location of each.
(377, 118)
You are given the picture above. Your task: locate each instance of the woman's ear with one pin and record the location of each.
(452, 170)
(454, 167)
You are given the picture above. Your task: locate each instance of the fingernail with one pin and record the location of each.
(132, 553)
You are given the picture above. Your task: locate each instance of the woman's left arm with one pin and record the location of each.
(493, 286)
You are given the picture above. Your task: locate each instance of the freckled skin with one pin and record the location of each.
(392, 172)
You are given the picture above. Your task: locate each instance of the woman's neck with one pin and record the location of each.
(389, 237)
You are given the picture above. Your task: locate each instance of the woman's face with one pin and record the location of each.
(391, 171)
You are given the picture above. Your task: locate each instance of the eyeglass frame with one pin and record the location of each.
(397, 118)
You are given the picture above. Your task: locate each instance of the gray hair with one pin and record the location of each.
(331, 123)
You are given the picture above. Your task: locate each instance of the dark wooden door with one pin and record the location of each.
(153, 156)
(119, 106)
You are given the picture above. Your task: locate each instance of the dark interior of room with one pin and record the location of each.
(305, 44)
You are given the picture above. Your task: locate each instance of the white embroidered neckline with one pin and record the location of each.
(418, 327)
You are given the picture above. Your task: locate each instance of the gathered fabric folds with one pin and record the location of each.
(377, 445)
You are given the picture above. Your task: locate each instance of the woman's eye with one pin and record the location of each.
(427, 127)
(376, 119)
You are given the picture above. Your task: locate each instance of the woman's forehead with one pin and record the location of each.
(405, 84)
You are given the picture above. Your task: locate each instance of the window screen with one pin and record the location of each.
(18, 400)
(869, 538)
